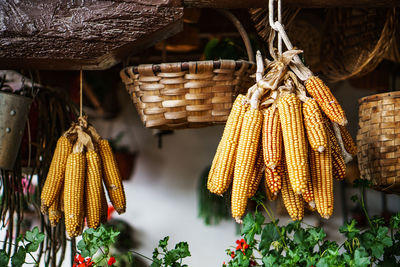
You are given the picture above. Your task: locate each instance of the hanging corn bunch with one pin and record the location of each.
(82, 162)
(291, 119)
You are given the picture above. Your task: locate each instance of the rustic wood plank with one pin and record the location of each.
(291, 3)
(94, 34)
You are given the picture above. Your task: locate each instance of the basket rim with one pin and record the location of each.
(377, 97)
(184, 65)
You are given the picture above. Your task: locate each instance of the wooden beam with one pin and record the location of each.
(290, 3)
(92, 34)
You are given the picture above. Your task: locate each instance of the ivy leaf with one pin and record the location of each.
(18, 259)
(350, 230)
(395, 221)
(269, 234)
(315, 235)
(354, 198)
(156, 263)
(252, 226)
(377, 241)
(32, 247)
(361, 258)
(163, 243)
(299, 236)
(182, 249)
(270, 260)
(3, 258)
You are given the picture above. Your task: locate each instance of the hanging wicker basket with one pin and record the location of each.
(189, 94)
(378, 141)
(357, 41)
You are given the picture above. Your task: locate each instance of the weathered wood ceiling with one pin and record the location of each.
(94, 34)
(97, 34)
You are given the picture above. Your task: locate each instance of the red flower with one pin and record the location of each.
(111, 261)
(232, 254)
(253, 263)
(110, 211)
(242, 245)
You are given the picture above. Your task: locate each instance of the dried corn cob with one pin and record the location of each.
(314, 124)
(220, 176)
(308, 194)
(321, 170)
(245, 159)
(104, 206)
(328, 103)
(294, 140)
(348, 141)
(93, 189)
(293, 202)
(338, 163)
(73, 193)
(269, 194)
(56, 174)
(272, 137)
(257, 174)
(55, 212)
(273, 178)
(112, 177)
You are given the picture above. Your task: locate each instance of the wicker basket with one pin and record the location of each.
(357, 41)
(378, 141)
(189, 94)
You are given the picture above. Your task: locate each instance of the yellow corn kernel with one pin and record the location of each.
(273, 178)
(74, 193)
(294, 203)
(55, 176)
(314, 124)
(294, 140)
(112, 177)
(257, 174)
(221, 173)
(55, 212)
(308, 195)
(93, 189)
(321, 170)
(328, 103)
(348, 141)
(104, 206)
(245, 159)
(270, 196)
(272, 137)
(338, 163)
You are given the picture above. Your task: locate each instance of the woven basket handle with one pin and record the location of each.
(241, 31)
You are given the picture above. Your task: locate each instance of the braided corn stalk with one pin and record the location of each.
(272, 137)
(294, 141)
(314, 124)
(245, 159)
(93, 189)
(348, 141)
(321, 170)
(328, 103)
(56, 174)
(112, 177)
(294, 203)
(73, 192)
(222, 168)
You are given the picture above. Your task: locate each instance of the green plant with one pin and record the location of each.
(25, 244)
(299, 244)
(96, 241)
(162, 256)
